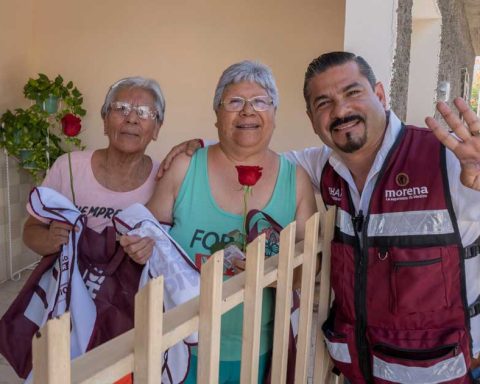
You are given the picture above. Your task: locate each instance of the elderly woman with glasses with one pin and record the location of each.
(106, 181)
(204, 200)
(109, 179)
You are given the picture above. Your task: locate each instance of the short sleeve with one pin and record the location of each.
(53, 180)
(312, 160)
(54, 176)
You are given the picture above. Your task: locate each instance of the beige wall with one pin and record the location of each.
(16, 22)
(184, 44)
(370, 28)
(15, 65)
(424, 59)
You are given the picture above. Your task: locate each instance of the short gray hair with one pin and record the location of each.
(136, 82)
(247, 70)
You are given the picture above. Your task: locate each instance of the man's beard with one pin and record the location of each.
(353, 143)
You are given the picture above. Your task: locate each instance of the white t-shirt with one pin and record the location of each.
(98, 203)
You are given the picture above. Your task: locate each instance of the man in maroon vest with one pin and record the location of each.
(405, 257)
(406, 251)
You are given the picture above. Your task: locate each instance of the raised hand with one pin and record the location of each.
(464, 143)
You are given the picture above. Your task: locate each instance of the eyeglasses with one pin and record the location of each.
(144, 112)
(237, 103)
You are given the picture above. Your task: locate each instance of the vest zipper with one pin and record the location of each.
(360, 224)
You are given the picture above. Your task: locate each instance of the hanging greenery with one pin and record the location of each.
(33, 135)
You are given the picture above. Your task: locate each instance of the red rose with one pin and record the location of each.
(71, 125)
(248, 175)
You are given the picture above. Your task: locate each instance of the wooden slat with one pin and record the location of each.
(309, 267)
(148, 332)
(322, 358)
(210, 319)
(105, 363)
(51, 352)
(283, 304)
(252, 310)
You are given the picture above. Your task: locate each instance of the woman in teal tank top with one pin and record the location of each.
(203, 199)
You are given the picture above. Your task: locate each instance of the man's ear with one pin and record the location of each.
(380, 92)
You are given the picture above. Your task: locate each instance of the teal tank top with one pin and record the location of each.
(200, 224)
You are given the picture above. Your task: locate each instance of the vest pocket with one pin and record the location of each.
(418, 285)
(418, 356)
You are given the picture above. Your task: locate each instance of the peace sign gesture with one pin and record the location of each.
(465, 144)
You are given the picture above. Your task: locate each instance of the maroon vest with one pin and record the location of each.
(399, 314)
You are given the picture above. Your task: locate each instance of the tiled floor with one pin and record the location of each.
(8, 291)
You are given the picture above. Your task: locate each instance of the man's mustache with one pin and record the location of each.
(345, 120)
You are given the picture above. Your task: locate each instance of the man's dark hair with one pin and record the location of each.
(333, 59)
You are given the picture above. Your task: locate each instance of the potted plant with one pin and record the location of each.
(33, 135)
(48, 93)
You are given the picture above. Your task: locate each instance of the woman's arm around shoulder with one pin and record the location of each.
(166, 190)
(306, 204)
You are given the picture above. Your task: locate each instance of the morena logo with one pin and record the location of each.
(406, 193)
(402, 179)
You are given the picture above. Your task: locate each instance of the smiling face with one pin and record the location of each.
(247, 128)
(346, 113)
(130, 134)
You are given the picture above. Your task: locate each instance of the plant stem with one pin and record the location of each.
(71, 174)
(246, 190)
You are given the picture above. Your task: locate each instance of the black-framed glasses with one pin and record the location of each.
(237, 103)
(144, 112)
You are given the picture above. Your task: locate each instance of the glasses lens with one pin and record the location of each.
(144, 112)
(261, 103)
(121, 107)
(236, 104)
(233, 104)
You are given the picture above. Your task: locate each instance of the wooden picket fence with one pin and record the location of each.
(140, 350)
